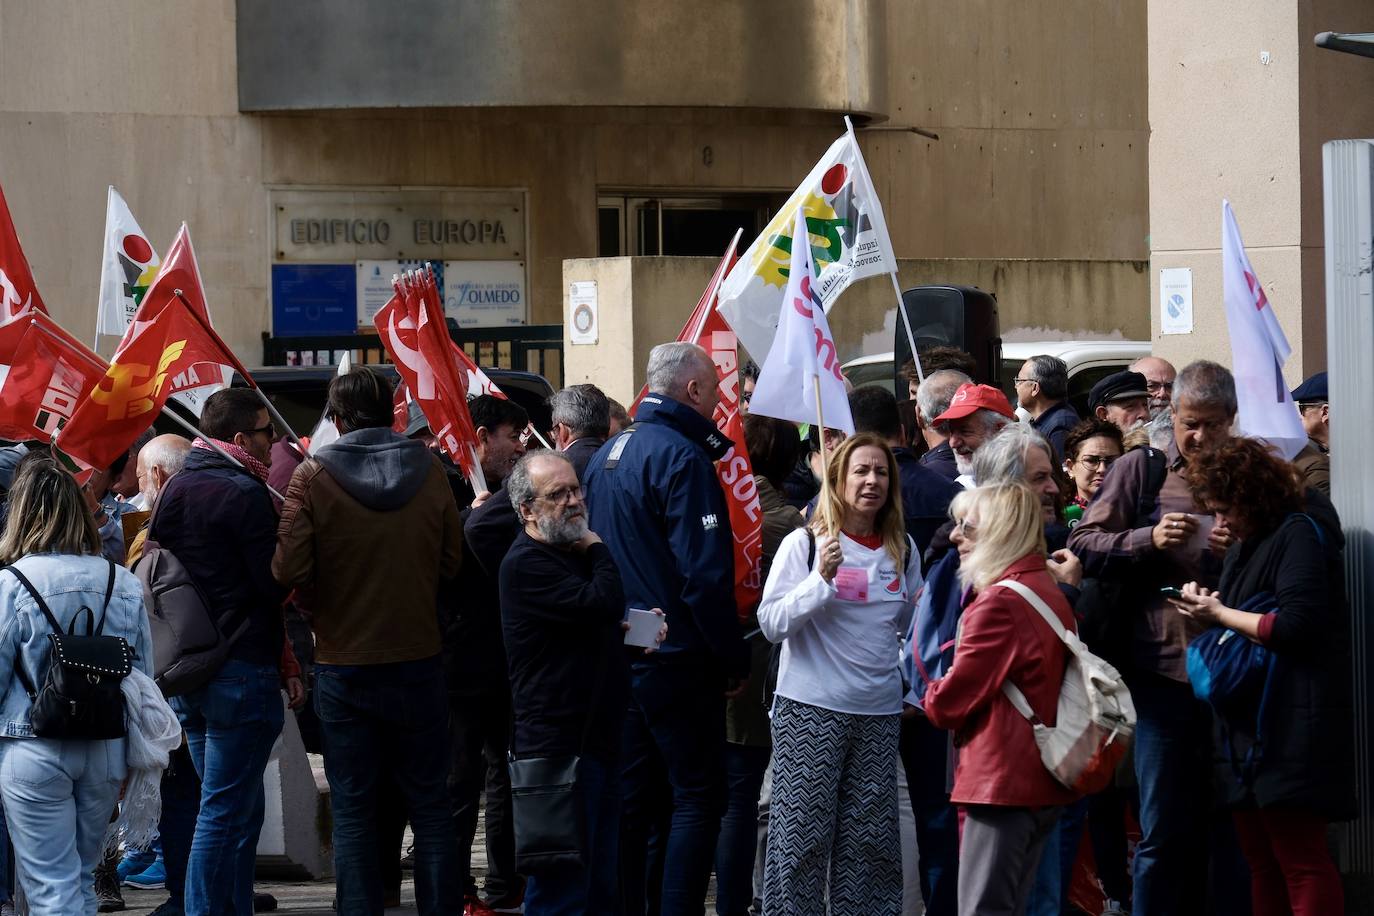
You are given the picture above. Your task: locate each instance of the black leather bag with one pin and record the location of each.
(548, 810)
(80, 696)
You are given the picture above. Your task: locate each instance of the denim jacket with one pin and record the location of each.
(67, 583)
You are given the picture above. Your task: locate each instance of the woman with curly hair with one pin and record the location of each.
(1089, 450)
(1287, 565)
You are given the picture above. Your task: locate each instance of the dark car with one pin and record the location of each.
(298, 392)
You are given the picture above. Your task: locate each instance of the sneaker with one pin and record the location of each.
(7, 908)
(510, 903)
(1115, 908)
(169, 907)
(151, 878)
(475, 906)
(264, 903)
(134, 862)
(107, 896)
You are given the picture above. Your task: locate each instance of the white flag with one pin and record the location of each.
(802, 356)
(325, 431)
(127, 270)
(1258, 348)
(849, 242)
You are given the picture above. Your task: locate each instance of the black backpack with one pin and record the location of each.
(190, 644)
(81, 695)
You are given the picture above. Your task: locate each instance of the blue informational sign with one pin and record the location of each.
(314, 299)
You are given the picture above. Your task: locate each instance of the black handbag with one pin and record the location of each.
(81, 695)
(549, 814)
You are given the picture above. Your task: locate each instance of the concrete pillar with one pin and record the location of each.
(1240, 102)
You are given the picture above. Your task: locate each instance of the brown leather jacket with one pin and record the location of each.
(371, 572)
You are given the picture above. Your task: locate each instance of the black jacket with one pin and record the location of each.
(940, 459)
(219, 521)
(926, 495)
(1308, 755)
(1054, 424)
(560, 614)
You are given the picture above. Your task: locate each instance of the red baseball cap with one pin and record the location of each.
(971, 397)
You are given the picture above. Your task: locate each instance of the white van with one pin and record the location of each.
(1088, 360)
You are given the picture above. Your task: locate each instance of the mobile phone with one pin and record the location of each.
(643, 628)
(1169, 591)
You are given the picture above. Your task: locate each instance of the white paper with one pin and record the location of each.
(582, 312)
(644, 627)
(1176, 300)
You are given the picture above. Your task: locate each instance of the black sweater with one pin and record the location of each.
(560, 615)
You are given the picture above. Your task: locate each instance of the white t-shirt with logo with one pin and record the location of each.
(840, 639)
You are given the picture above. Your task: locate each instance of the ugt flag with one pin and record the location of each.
(849, 242)
(708, 330)
(173, 351)
(17, 291)
(1258, 348)
(127, 270)
(802, 363)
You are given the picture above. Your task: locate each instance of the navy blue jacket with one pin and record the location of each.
(926, 495)
(941, 460)
(1054, 424)
(654, 498)
(219, 521)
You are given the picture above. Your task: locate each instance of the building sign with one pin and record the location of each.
(319, 226)
(582, 309)
(1176, 300)
(312, 299)
(375, 289)
(485, 294)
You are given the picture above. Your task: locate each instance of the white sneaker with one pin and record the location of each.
(1113, 908)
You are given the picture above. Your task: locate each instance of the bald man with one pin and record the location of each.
(1159, 381)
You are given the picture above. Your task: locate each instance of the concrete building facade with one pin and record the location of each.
(282, 133)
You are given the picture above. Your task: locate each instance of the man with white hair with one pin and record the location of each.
(157, 461)
(1159, 381)
(932, 399)
(975, 414)
(655, 499)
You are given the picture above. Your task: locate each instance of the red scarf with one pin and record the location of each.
(253, 465)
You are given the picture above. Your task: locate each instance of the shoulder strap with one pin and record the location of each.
(24, 679)
(109, 592)
(1010, 690)
(810, 547)
(1156, 471)
(1316, 528)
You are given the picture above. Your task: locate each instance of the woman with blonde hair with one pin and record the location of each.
(58, 793)
(1011, 801)
(838, 597)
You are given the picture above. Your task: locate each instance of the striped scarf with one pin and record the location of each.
(253, 465)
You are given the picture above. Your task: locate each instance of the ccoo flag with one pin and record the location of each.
(1258, 348)
(17, 291)
(802, 361)
(128, 268)
(849, 242)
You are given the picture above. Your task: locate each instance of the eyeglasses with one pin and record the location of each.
(1311, 405)
(1018, 381)
(965, 528)
(1096, 461)
(561, 496)
(269, 429)
(1157, 387)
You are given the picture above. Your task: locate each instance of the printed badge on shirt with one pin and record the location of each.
(851, 583)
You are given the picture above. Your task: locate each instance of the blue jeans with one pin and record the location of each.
(58, 796)
(231, 724)
(392, 719)
(674, 735)
(177, 826)
(592, 888)
(925, 757)
(1183, 841)
(1050, 893)
(739, 828)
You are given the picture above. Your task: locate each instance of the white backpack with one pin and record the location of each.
(1095, 718)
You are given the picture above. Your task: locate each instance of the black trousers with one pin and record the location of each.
(480, 726)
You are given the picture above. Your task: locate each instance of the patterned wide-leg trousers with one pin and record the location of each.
(834, 814)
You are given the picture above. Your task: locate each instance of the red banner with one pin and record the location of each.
(179, 273)
(18, 293)
(150, 366)
(411, 326)
(47, 376)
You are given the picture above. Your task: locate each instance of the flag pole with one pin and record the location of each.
(820, 426)
(906, 324)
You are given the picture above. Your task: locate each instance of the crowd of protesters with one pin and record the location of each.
(442, 646)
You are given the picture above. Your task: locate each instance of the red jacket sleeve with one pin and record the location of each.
(982, 660)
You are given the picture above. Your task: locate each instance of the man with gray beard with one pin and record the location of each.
(561, 606)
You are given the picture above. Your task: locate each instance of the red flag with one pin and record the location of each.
(411, 327)
(167, 355)
(709, 330)
(17, 291)
(47, 376)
